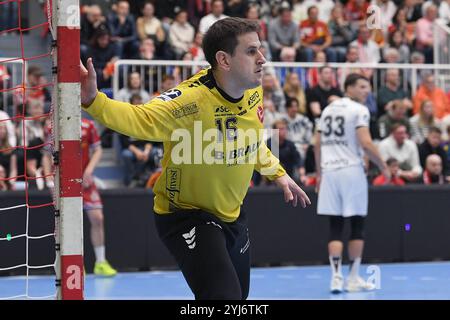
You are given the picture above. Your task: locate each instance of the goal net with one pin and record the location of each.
(40, 150)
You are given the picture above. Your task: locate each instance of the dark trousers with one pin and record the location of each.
(214, 256)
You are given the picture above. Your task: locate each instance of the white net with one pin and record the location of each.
(27, 237)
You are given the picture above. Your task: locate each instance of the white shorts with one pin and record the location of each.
(343, 192)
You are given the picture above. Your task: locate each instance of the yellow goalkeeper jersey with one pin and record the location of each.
(210, 151)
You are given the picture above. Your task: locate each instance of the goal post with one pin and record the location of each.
(69, 265)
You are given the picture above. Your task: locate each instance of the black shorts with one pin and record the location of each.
(213, 255)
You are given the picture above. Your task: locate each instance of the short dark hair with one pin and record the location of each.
(352, 79)
(391, 161)
(435, 130)
(34, 70)
(134, 97)
(280, 121)
(178, 10)
(397, 103)
(351, 47)
(101, 31)
(397, 125)
(326, 66)
(311, 8)
(284, 9)
(252, 5)
(222, 36)
(289, 102)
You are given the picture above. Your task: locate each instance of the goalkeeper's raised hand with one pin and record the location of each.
(88, 83)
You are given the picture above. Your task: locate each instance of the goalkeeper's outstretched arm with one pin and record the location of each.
(153, 121)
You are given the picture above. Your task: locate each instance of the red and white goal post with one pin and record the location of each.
(67, 146)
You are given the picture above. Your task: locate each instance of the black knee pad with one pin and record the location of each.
(357, 224)
(336, 227)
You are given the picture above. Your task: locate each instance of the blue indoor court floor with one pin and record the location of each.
(402, 281)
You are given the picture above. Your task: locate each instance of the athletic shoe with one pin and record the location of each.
(104, 269)
(337, 283)
(356, 284)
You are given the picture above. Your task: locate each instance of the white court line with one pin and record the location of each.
(313, 276)
(142, 298)
(427, 279)
(13, 278)
(400, 278)
(172, 276)
(53, 296)
(13, 297)
(284, 276)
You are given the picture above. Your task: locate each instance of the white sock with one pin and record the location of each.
(336, 265)
(354, 268)
(100, 254)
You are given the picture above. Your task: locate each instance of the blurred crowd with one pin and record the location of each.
(410, 120)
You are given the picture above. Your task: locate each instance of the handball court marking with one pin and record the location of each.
(399, 281)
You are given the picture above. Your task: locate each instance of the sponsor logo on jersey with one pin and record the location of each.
(224, 144)
(334, 142)
(185, 110)
(336, 162)
(173, 183)
(169, 95)
(240, 154)
(254, 98)
(195, 84)
(260, 113)
(222, 109)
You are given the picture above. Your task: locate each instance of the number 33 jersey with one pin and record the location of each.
(338, 123)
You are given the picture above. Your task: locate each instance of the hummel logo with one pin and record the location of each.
(214, 224)
(244, 248)
(190, 238)
(247, 244)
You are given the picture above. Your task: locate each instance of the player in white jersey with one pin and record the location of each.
(342, 138)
